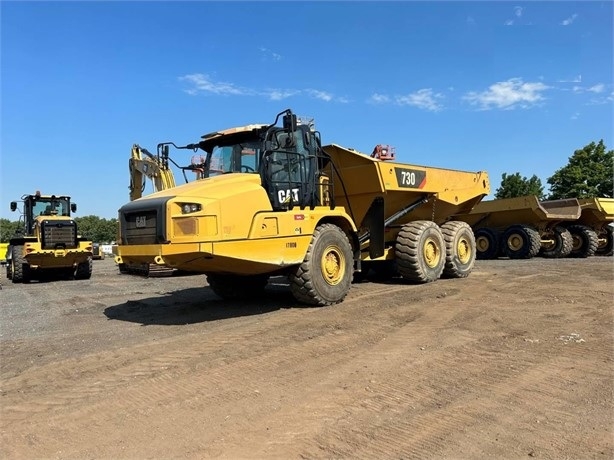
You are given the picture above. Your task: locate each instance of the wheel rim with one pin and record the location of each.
(482, 243)
(577, 242)
(431, 252)
(333, 265)
(463, 249)
(515, 242)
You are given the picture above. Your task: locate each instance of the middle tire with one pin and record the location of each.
(521, 242)
(420, 251)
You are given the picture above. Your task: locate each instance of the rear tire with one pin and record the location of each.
(237, 287)
(84, 270)
(486, 243)
(460, 249)
(420, 251)
(521, 242)
(325, 276)
(585, 241)
(562, 246)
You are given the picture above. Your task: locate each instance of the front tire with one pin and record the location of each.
(325, 276)
(420, 251)
(20, 269)
(460, 249)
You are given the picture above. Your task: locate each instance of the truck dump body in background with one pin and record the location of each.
(522, 227)
(278, 203)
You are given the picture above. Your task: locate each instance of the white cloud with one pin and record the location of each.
(268, 54)
(203, 83)
(279, 94)
(518, 11)
(509, 22)
(423, 99)
(569, 20)
(598, 88)
(575, 116)
(577, 79)
(510, 94)
(322, 95)
(377, 98)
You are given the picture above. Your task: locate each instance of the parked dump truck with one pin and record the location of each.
(522, 227)
(47, 241)
(592, 232)
(272, 201)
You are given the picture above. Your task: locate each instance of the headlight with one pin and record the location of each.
(188, 208)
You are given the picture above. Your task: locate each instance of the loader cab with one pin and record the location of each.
(43, 206)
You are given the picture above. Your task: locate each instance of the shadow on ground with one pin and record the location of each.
(197, 305)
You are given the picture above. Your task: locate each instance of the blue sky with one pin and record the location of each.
(496, 86)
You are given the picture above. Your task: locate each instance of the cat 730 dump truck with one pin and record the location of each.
(47, 241)
(522, 227)
(273, 201)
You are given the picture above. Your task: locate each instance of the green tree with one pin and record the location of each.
(7, 229)
(96, 229)
(514, 185)
(589, 174)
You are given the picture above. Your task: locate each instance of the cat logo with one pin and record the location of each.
(141, 221)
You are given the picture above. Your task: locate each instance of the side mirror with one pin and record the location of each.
(73, 207)
(13, 206)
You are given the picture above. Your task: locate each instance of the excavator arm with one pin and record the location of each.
(143, 165)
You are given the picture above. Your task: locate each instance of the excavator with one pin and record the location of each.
(144, 165)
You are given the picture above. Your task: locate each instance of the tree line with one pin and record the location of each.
(588, 174)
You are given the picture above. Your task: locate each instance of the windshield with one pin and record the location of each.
(243, 157)
(51, 207)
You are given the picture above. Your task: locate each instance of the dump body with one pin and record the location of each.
(502, 213)
(448, 191)
(596, 212)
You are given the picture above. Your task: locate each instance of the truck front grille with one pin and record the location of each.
(143, 221)
(57, 234)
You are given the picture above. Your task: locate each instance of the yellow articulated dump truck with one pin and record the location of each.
(522, 227)
(592, 232)
(272, 201)
(47, 241)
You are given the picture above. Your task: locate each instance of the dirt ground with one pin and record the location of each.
(515, 361)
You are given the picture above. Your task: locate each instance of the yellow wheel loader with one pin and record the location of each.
(47, 241)
(273, 201)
